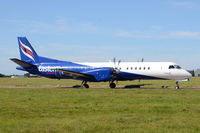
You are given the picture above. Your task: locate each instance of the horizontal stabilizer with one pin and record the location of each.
(21, 63)
(75, 74)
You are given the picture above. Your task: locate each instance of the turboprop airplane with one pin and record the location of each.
(95, 72)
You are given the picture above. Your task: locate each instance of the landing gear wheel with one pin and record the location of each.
(85, 86)
(112, 85)
(177, 85)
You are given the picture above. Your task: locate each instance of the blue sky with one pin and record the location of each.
(98, 30)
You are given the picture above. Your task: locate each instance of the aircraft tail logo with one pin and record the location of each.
(27, 53)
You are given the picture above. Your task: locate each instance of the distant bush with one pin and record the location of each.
(1, 75)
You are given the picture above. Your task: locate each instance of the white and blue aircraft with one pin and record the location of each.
(96, 71)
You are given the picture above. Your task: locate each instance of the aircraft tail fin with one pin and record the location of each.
(27, 52)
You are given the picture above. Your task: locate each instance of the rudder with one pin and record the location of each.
(27, 52)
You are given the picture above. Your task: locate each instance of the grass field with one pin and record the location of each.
(53, 83)
(34, 106)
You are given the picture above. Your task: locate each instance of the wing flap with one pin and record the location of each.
(75, 74)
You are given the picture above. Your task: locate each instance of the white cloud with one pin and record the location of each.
(151, 32)
(159, 34)
(59, 25)
(125, 33)
(156, 27)
(134, 34)
(63, 25)
(186, 4)
(185, 34)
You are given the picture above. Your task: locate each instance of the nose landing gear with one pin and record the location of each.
(177, 85)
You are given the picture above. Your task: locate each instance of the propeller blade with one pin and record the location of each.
(114, 60)
(118, 63)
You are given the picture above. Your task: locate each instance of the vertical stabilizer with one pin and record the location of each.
(27, 52)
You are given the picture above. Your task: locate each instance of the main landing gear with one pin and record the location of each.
(112, 85)
(84, 84)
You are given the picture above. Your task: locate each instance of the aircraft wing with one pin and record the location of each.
(75, 74)
(21, 63)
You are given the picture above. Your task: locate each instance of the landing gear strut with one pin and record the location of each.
(177, 85)
(84, 84)
(112, 85)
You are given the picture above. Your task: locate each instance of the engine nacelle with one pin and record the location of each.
(101, 74)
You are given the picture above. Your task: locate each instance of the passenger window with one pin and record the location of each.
(131, 68)
(135, 68)
(127, 68)
(148, 68)
(139, 68)
(144, 68)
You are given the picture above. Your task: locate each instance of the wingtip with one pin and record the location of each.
(13, 59)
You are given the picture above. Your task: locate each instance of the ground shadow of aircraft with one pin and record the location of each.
(135, 85)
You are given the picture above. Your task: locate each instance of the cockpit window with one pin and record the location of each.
(174, 67)
(171, 67)
(177, 66)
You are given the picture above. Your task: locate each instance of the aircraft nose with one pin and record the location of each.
(187, 74)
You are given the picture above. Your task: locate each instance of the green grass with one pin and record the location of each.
(44, 82)
(73, 110)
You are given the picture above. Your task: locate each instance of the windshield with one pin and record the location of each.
(174, 67)
(177, 67)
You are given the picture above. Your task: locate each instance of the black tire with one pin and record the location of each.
(112, 85)
(177, 87)
(85, 86)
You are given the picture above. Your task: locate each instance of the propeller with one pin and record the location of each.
(142, 60)
(116, 69)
